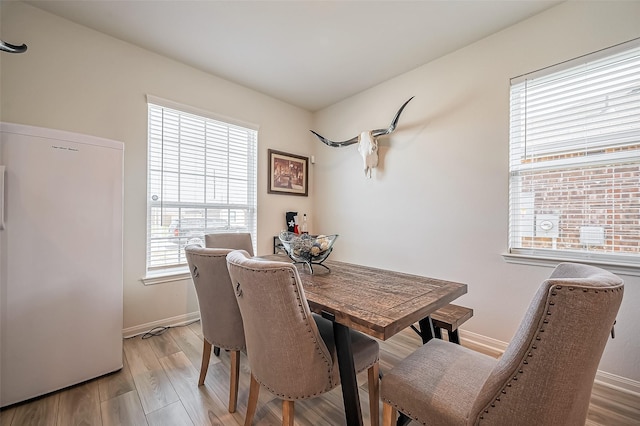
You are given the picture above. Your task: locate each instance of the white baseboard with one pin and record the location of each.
(618, 383)
(173, 321)
(472, 340)
(481, 343)
(496, 348)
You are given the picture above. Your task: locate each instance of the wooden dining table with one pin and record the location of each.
(377, 302)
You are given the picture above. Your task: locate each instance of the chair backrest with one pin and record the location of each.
(284, 347)
(230, 240)
(546, 373)
(219, 313)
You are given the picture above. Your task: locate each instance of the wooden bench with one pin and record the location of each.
(448, 318)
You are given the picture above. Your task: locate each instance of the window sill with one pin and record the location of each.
(621, 268)
(179, 274)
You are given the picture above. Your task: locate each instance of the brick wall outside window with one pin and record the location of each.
(600, 196)
(574, 159)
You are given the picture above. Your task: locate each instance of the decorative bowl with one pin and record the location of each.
(308, 249)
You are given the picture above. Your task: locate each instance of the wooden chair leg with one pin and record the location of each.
(287, 412)
(206, 354)
(252, 403)
(388, 415)
(233, 380)
(374, 393)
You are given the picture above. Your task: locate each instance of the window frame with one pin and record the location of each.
(616, 262)
(179, 271)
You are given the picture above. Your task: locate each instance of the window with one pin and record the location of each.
(575, 159)
(201, 179)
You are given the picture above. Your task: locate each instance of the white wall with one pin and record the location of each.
(438, 204)
(76, 79)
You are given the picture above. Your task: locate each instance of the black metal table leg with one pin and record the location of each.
(437, 333)
(403, 420)
(454, 337)
(426, 329)
(347, 375)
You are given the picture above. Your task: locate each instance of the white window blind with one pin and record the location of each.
(201, 179)
(575, 159)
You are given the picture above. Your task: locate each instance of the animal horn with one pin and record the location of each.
(335, 144)
(7, 47)
(374, 133)
(392, 126)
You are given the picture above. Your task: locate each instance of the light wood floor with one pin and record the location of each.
(158, 386)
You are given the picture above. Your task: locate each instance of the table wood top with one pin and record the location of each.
(375, 301)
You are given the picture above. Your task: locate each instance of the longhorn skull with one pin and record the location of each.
(367, 142)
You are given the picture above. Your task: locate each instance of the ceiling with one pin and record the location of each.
(311, 54)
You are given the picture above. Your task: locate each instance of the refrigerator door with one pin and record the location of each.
(61, 260)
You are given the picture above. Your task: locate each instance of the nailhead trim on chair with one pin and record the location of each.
(403, 411)
(503, 391)
(534, 346)
(319, 351)
(524, 362)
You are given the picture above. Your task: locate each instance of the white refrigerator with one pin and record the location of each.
(60, 260)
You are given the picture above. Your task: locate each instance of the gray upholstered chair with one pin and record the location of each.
(219, 313)
(291, 352)
(230, 240)
(544, 377)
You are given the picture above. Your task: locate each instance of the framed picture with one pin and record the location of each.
(288, 174)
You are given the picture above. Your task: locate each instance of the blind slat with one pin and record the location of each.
(575, 159)
(202, 179)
